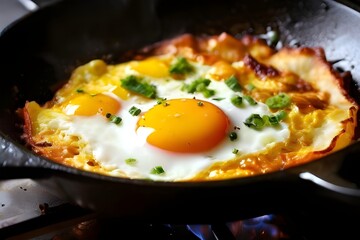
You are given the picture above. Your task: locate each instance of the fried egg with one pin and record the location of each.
(183, 115)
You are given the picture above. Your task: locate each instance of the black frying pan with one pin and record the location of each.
(39, 52)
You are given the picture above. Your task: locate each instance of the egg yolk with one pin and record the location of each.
(151, 67)
(121, 93)
(88, 105)
(185, 125)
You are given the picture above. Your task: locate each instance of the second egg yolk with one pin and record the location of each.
(151, 67)
(185, 125)
(88, 105)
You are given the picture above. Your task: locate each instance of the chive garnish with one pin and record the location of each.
(233, 83)
(233, 136)
(137, 85)
(250, 87)
(162, 101)
(250, 100)
(134, 111)
(281, 115)
(257, 122)
(236, 101)
(208, 93)
(218, 99)
(113, 118)
(281, 100)
(181, 66)
(199, 85)
(157, 170)
(131, 161)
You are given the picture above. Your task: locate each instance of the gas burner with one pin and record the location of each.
(69, 222)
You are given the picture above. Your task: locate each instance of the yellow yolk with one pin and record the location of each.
(88, 105)
(121, 92)
(151, 67)
(185, 125)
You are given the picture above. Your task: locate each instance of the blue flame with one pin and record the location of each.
(254, 228)
(203, 232)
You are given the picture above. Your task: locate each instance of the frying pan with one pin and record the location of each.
(38, 53)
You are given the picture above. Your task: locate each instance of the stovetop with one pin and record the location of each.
(20, 199)
(28, 211)
(69, 222)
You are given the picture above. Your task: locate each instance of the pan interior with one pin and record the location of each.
(38, 53)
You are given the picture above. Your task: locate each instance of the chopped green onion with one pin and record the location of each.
(281, 115)
(199, 85)
(116, 120)
(113, 118)
(79, 90)
(271, 120)
(200, 103)
(134, 111)
(208, 93)
(250, 100)
(218, 99)
(131, 161)
(181, 66)
(202, 85)
(233, 136)
(235, 151)
(233, 84)
(236, 101)
(250, 87)
(281, 100)
(255, 121)
(157, 170)
(162, 101)
(135, 84)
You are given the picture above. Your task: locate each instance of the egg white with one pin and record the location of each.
(112, 144)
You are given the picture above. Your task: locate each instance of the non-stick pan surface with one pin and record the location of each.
(38, 53)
